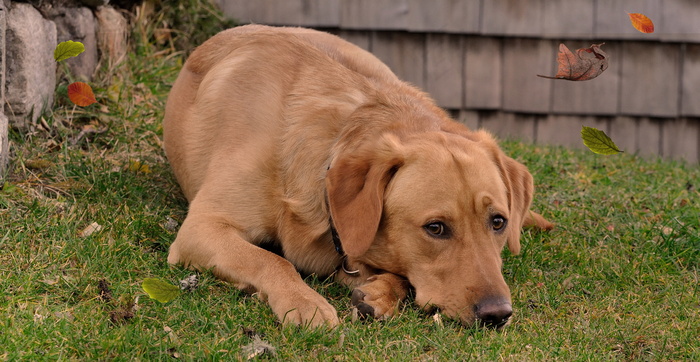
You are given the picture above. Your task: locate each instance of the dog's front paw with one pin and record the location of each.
(304, 307)
(380, 296)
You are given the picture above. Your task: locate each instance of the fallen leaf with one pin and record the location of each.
(105, 291)
(114, 91)
(50, 281)
(160, 290)
(190, 283)
(89, 230)
(38, 317)
(138, 167)
(171, 335)
(174, 353)
(67, 49)
(170, 224)
(37, 164)
(121, 315)
(437, 318)
(598, 142)
(81, 94)
(641, 22)
(86, 130)
(67, 315)
(585, 64)
(569, 283)
(341, 339)
(258, 348)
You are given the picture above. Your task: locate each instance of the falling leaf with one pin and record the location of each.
(598, 142)
(68, 49)
(160, 290)
(90, 229)
(586, 64)
(641, 22)
(81, 94)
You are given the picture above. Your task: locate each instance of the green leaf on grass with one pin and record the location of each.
(160, 290)
(68, 49)
(598, 142)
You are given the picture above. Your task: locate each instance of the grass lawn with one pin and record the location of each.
(617, 278)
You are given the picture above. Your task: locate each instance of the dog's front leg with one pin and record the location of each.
(212, 242)
(379, 295)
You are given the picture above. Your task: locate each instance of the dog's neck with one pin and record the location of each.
(336, 238)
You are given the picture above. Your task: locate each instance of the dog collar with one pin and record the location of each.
(339, 249)
(336, 238)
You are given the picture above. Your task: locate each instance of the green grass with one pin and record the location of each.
(617, 279)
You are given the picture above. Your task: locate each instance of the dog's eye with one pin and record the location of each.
(498, 222)
(437, 229)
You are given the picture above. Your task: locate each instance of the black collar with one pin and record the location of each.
(336, 238)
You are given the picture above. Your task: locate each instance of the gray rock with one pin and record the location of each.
(4, 146)
(112, 33)
(94, 3)
(30, 67)
(3, 28)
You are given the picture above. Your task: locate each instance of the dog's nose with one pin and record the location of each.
(493, 312)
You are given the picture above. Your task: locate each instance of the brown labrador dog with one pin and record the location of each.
(295, 140)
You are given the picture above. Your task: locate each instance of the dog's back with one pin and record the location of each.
(244, 64)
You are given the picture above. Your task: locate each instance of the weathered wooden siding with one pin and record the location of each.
(479, 59)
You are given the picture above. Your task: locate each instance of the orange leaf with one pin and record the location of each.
(641, 22)
(81, 94)
(586, 64)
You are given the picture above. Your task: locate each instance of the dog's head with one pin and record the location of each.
(436, 208)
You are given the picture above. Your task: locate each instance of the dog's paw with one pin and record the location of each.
(304, 308)
(380, 296)
(364, 309)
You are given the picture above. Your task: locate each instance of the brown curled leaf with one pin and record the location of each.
(585, 64)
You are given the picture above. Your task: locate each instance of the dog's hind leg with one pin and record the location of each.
(209, 241)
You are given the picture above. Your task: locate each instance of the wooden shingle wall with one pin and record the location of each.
(480, 58)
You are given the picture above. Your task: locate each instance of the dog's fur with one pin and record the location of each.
(276, 134)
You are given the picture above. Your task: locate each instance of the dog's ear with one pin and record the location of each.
(520, 187)
(355, 183)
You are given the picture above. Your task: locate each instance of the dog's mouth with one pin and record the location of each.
(484, 315)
